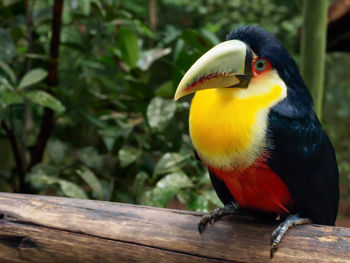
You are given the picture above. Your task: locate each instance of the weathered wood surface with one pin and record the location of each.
(52, 229)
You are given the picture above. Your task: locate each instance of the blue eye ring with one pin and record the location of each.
(260, 64)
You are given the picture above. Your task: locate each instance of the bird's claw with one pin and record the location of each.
(208, 218)
(216, 214)
(280, 231)
(213, 220)
(211, 217)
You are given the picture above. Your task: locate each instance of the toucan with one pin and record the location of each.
(252, 123)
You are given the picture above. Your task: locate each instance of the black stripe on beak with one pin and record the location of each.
(248, 61)
(244, 79)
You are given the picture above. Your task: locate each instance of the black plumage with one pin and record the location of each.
(302, 155)
(298, 102)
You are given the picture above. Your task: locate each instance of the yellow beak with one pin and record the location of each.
(227, 65)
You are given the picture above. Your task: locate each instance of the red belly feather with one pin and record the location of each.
(257, 187)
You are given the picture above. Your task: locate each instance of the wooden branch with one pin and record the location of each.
(53, 229)
(48, 121)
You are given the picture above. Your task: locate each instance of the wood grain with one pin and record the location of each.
(56, 229)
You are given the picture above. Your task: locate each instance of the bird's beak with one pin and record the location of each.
(227, 65)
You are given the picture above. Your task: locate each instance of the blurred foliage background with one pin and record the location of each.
(116, 133)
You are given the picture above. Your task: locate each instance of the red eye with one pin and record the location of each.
(260, 65)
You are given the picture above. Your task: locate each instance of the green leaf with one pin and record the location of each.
(8, 98)
(128, 155)
(16, 32)
(109, 142)
(166, 188)
(169, 162)
(8, 71)
(210, 37)
(184, 196)
(174, 181)
(128, 45)
(123, 197)
(212, 197)
(150, 56)
(90, 178)
(90, 157)
(86, 6)
(40, 175)
(71, 190)
(46, 100)
(57, 151)
(179, 47)
(197, 40)
(40, 180)
(47, 170)
(32, 77)
(139, 182)
(183, 60)
(7, 47)
(5, 83)
(198, 203)
(147, 198)
(165, 90)
(159, 112)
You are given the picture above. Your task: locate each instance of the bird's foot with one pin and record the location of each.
(279, 232)
(216, 214)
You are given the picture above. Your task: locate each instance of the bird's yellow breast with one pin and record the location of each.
(228, 126)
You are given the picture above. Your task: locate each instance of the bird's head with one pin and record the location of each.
(251, 63)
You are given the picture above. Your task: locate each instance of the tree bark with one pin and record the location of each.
(48, 121)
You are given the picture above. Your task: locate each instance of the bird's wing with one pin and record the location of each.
(303, 157)
(221, 189)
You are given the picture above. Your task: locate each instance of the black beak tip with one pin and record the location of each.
(244, 80)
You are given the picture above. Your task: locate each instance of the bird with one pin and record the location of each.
(252, 124)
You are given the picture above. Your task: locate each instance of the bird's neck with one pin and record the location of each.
(228, 128)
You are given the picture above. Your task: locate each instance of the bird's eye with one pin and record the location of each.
(260, 64)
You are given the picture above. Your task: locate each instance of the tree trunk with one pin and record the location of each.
(48, 121)
(153, 21)
(313, 49)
